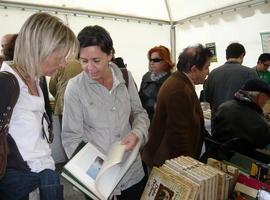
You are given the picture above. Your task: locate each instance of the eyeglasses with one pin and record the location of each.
(155, 60)
(47, 128)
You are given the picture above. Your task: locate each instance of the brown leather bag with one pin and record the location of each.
(9, 95)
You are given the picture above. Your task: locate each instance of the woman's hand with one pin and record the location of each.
(130, 141)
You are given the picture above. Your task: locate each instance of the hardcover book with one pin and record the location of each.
(96, 174)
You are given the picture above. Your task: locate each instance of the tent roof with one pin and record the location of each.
(160, 10)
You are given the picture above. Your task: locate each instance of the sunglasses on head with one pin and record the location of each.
(47, 128)
(155, 60)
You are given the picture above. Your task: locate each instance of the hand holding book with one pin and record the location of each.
(97, 174)
(130, 141)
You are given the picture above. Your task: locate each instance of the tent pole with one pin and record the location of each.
(173, 43)
(172, 32)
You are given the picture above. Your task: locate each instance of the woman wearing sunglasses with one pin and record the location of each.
(160, 66)
(42, 46)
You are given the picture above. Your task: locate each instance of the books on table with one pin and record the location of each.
(97, 174)
(185, 178)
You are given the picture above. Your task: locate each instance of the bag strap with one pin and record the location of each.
(125, 75)
(4, 145)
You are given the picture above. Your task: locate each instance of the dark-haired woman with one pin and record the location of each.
(97, 107)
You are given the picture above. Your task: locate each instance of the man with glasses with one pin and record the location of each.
(262, 67)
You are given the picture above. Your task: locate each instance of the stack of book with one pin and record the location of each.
(186, 178)
(253, 181)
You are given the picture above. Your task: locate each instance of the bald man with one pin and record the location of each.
(8, 44)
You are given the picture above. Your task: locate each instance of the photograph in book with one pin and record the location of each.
(95, 167)
(164, 193)
(161, 185)
(97, 174)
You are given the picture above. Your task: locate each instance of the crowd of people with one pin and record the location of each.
(99, 102)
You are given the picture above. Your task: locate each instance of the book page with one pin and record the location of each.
(85, 166)
(115, 156)
(98, 173)
(114, 170)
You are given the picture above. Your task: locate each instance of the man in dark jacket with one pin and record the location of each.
(178, 125)
(225, 80)
(241, 120)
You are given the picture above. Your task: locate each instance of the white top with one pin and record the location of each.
(26, 127)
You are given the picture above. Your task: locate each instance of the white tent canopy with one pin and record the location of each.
(163, 10)
(138, 25)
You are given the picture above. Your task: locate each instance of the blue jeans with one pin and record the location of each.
(17, 185)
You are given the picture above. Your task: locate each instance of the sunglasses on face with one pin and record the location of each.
(155, 60)
(47, 128)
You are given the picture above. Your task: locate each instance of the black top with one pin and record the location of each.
(243, 120)
(149, 91)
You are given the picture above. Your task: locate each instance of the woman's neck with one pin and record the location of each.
(30, 82)
(107, 79)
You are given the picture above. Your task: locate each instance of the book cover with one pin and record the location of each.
(162, 186)
(190, 184)
(244, 192)
(260, 171)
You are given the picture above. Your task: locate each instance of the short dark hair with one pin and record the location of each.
(96, 36)
(198, 58)
(235, 50)
(264, 57)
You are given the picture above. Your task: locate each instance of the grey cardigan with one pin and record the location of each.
(93, 113)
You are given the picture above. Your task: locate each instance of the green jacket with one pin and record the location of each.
(264, 75)
(58, 83)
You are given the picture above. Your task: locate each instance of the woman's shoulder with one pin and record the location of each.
(6, 66)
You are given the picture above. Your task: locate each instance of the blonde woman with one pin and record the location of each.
(42, 46)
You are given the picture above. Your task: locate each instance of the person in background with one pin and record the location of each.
(2, 58)
(178, 124)
(98, 105)
(225, 80)
(8, 45)
(160, 65)
(241, 120)
(262, 67)
(58, 83)
(42, 46)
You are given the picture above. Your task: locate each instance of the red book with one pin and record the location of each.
(251, 182)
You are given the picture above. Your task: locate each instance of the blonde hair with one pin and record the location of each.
(39, 37)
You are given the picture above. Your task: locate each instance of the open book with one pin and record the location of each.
(96, 174)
